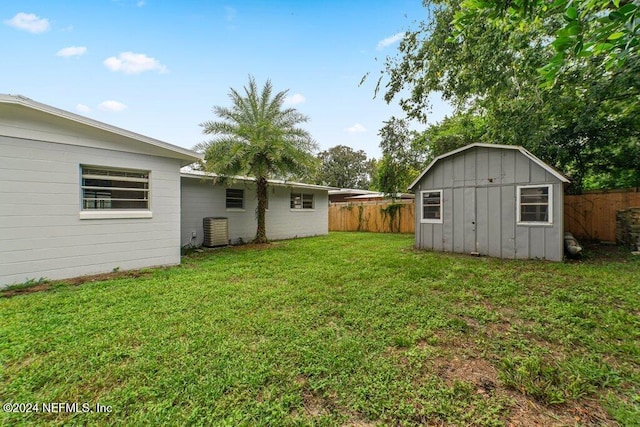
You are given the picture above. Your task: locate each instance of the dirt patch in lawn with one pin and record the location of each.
(75, 281)
(8, 293)
(527, 412)
(477, 371)
(523, 410)
(602, 253)
(314, 404)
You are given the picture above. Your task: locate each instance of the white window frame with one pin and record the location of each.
(226, 196)
(424, 220)
(301, 207)
(519, 189)
(107, 212)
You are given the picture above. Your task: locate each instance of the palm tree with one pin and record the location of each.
(257, 137)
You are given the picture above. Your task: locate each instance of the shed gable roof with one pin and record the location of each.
(522, 150)
(162, 148)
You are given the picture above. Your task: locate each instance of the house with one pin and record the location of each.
(79, 197)
(495, 200)
(380, 197)
(293, 209)
(338, 195)
(351, 195)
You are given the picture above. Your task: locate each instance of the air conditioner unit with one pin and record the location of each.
(216, 231)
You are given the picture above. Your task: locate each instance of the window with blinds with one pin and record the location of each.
(234, 198)
(301, 201)
(431, 202)
(534, 204)
(114, 189)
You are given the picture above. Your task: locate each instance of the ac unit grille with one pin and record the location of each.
(216, 231)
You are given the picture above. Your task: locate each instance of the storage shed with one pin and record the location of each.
(495, 200)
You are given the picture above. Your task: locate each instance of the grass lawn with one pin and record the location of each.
(346, 329)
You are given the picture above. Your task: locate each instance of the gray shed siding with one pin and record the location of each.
(41, 234)
(479, 192)
(201, 198)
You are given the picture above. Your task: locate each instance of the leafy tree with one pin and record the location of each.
(452, 133)
(401, 161)
(257, 137)
(374, 170)
(343, 167)
(608, 30)
(586, 125)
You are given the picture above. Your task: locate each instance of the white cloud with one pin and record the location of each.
(134, 63)
(230, 12)
(114, 106)
(72, 51)
(390, 40)
(295, 99)
(29, 22)
(83, 108)
(138, 3)
(357, 128)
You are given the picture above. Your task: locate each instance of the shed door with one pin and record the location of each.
(464, 220)
(469, 218)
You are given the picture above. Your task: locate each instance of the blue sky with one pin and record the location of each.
(158, 67)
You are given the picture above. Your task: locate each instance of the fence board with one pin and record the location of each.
(589, 216)
(375, 217)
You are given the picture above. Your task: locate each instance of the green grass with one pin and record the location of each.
(347, 329)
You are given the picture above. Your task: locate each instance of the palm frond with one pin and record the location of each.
(256, 136)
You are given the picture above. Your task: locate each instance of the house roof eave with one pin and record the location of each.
(187, 156)
(275, 182)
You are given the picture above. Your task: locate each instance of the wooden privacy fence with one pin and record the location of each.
(592, 215)
(377, 217)
(589, 216)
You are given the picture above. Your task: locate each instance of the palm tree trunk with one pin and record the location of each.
(261, 233)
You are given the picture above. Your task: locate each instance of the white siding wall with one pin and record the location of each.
(200, 199)
(26, 123)
(41, 234)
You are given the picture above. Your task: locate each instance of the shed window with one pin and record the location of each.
(114, 189)
(301, 201)
(235, 198)
(431, 204)
(534, 204)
